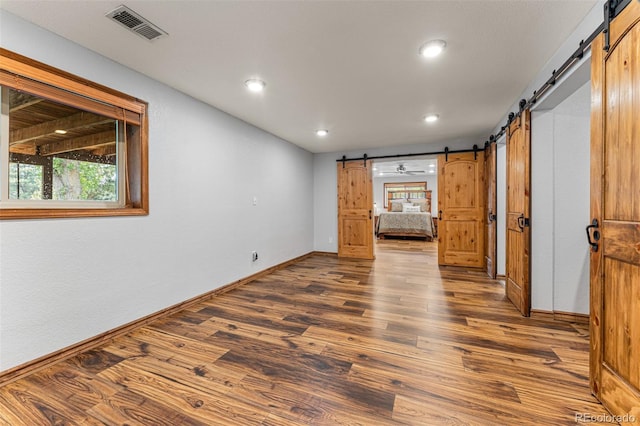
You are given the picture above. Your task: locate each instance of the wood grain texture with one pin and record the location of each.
(595, 207)
(491, 209)
(329, 341)
(23, 370)
(355, 209)
(615, 203)
(461, 200)
(518, 241)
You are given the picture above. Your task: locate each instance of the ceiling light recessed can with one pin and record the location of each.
(255, 85)
(322, 132)
(431, 118)
(60, 132)
(432, 48)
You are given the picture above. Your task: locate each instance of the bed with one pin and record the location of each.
(406, 218)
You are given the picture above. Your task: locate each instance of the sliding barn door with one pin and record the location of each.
(518, 281)
(490, 154)
(355, 204)
(615, 210)
(461, 210)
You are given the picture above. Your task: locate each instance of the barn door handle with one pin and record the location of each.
(369, 214)
(596, 235)
(523, 222)
(440, 215)
(491, 217)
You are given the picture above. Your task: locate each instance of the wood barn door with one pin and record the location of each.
(355, 204)
(615, 209)
(490, 157)
(518, 281)
(461, 210)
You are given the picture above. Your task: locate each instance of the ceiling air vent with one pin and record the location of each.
(136, 23)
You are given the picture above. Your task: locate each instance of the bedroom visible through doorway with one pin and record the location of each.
(405, 202)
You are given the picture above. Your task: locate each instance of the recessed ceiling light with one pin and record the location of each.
(322, 132)
(255, 85)
(431, 118)
(61, 132)
(432, 48)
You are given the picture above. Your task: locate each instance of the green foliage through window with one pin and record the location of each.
(83, 180)
(25, 181)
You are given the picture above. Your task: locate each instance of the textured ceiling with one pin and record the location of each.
(351, 67)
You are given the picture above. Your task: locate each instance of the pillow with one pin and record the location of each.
(407, 208)
(422, 204)
(396, 206)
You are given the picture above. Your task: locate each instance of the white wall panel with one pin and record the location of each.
(65, 280)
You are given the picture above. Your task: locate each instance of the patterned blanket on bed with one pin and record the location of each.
(405, 223)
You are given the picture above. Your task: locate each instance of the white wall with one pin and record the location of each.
(542, 210)
(62, 281)
(325, 186)
(432, 185)
(571, 202)
(560, 204)
(559, 178)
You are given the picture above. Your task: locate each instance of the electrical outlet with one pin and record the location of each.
(254, 256)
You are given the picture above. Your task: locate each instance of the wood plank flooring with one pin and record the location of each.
(328, 341)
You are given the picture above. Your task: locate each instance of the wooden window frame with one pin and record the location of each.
(401, 187)
(22, 73)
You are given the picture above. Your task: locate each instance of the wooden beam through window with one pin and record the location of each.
(25, 104)
(73, 122)
(83, 142)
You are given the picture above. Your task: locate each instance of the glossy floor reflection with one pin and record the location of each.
(397, 340)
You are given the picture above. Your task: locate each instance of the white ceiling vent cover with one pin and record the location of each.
(136, 23)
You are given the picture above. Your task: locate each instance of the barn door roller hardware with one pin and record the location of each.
(475, 152)
(612, 8)
(446, 153)
(365, 160)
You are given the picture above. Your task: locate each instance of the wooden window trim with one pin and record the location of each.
(20, 72)
(401, 186)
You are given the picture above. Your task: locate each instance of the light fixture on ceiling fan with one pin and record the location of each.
(403, 171)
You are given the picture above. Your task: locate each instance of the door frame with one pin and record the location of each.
(521, 122)
(491, 209)
(616, 394)
(355, 215)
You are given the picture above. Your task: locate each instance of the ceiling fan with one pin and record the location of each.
(403, 171)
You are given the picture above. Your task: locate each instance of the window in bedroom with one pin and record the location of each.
(68, 147)
(404, 190)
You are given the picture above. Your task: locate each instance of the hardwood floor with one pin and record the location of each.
(328, 341)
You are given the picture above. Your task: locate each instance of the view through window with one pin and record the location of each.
(61, 153)
(68, 147)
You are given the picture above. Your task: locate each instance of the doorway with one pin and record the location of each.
(398, 184)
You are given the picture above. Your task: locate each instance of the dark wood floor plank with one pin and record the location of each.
(328, 341)
(129, 408)
(184, 396)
